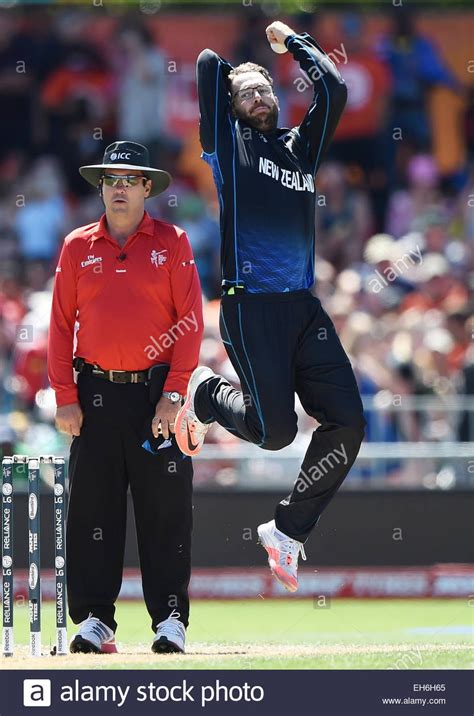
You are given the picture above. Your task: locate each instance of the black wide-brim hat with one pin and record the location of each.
(127, 155)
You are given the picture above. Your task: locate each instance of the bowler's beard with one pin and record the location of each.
(263, 123)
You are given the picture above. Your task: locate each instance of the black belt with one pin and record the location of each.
(114, 376)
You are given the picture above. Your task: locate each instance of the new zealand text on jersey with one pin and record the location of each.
(289, 179)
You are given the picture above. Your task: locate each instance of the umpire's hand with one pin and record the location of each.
(69, 419)
(165, 415)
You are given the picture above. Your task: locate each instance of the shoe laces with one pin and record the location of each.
(294, 548)
(196, 427)
(90, 618)
(173, 623)
(89, 624)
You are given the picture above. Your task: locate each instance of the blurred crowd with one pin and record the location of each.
(395, 236)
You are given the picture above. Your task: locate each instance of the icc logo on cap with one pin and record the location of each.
(36, 692)
(119, 155)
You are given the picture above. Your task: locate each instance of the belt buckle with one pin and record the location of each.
(111, 376)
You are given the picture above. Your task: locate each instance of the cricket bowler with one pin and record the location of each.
(276, 333)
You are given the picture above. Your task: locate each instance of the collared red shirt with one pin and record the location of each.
(132, 312)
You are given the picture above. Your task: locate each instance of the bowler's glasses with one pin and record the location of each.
(127, 180)
(249, 92)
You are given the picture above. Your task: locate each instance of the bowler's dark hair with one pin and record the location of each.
(250, 67)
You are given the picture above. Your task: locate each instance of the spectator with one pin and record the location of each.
(142, 89)
(12, 311)
(421, 194)
(78, 100)
(17, 80)
(40, 222)
(358, 137)
(416, 66)
(194, 217)
(343, 217)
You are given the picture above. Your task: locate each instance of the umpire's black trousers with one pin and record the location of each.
(105, 459)
(280, 344)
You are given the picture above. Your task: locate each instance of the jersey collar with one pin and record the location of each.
(146, 226)
(276, 133)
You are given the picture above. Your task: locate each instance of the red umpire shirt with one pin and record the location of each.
(135, 305)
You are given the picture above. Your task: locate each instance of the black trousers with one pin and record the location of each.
(105, 459)
(280, 344)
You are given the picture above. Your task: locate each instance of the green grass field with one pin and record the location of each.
(280, 634)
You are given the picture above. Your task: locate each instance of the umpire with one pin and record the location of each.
(127, 304)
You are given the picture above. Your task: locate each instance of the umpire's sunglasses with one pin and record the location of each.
(126, 179)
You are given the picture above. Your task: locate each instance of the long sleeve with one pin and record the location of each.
(329, 99)
(214, 100)
(61, 330)
(188, 329)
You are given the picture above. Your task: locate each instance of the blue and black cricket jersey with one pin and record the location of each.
(265, 182)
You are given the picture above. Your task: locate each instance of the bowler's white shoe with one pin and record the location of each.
(94, 637)
(189, 431)
(283, 553)
(170, 635)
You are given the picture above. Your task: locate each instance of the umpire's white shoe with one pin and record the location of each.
(283, 553)
(170, 635)
(94, 637)
(189, 431)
